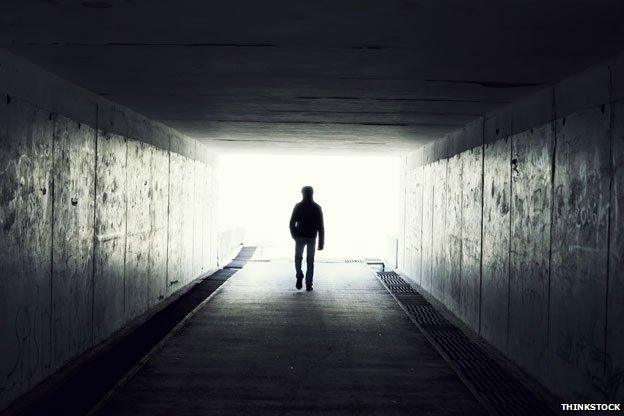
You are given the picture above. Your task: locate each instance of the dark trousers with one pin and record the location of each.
(310, 245)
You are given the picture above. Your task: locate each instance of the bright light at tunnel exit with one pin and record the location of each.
(358, 195)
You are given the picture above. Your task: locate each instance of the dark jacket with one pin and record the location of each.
(307, 220)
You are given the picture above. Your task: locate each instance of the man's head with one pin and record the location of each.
(307, 192)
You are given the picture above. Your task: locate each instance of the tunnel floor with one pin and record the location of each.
(259, 346)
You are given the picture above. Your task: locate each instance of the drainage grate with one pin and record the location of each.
(244, 255)
(427, 316)
(491, 383)
(402, 289)
(246, 251)
(392, 279)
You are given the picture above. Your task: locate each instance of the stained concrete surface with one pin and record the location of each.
(137, 269)
(110, 235)
(175, 274)
(550, 251)
(241, 72)
(427, 229)
(26, 240)
(159, 214)
(207, 257)
(580, 249)
(413, 225)
(84, 215)
(452, 248)
(198, 216)
(615, 306)
(530, 246)
(188, 220)
(472, 221)
(259, 346)
(495, 277)
(439, 174)
(72, 268)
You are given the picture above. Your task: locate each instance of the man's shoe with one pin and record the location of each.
(309, 288)
(299, 284)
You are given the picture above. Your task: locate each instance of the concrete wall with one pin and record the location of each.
(229, 242)
(514, 223)
(103, 214)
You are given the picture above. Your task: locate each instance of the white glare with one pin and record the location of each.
(358, 195)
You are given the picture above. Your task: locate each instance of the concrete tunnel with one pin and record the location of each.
(468, 158)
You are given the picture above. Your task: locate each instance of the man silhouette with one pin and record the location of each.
(305, 222)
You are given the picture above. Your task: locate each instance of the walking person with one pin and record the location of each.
(306, 222)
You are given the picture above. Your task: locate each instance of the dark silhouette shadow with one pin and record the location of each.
(306, 222)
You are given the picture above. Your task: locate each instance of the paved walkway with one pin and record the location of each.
(260, 347)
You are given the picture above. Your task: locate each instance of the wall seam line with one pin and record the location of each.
(53, 197)
(150, 257)
(126, 227)
(405, 168)
(481, 239)
(195, 231)
(95, 245)
(609, 213)
(422, 208)
(432, 252)
(553, 171)
(461, 231)
(509, 253)
(442, 272)
(168, 215)
(444, 293)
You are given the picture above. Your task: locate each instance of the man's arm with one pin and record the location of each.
(321, 231)
(292, 222)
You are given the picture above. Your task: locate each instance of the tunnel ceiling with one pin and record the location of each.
(324, 73)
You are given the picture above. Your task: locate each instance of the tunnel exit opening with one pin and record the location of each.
(358, 196)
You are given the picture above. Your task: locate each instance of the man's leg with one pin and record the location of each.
(299, 245)
(310, 250)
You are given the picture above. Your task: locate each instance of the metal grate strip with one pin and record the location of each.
(491, 383)
(244, 255)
